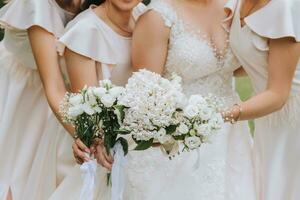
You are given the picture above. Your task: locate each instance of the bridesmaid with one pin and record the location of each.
(265, 36)
(31, 28)
(96, 45)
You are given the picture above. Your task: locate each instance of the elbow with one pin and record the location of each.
(281, 100)
(54, 94)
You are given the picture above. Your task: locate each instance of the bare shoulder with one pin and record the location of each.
(151, 22)
(151, 18)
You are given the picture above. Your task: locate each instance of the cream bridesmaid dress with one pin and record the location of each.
(90, 36)
(27, 125)
(277, 136)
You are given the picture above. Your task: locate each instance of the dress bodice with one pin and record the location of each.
(250, 42)
(26, 13)
(191, 56)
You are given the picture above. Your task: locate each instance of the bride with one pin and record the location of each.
(193, 43)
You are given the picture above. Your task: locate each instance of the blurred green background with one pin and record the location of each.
(243, 85)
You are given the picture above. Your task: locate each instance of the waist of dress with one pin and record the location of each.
(20, 53)
(13, 60)
(15, 70)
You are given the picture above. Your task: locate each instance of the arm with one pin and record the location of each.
(150, 53)
(82, 70)
(283, 57)
(44, 50)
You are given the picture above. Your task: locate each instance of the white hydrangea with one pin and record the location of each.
(152, 102)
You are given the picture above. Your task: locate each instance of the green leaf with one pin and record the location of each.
(124, 144)
(171, 129)
(143, 145)
(122, 131)
(179, 137)
(120, 112)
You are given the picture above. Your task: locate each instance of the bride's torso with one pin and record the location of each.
(150, 173)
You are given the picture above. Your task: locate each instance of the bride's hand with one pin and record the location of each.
(80, 151)
(103, 157)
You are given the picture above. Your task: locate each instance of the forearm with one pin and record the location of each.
(44, 50)
(283, 57)
(54, 97)
(262, 104)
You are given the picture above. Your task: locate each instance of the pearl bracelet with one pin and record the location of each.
(229, 116)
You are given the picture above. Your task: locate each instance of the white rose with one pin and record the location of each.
(205, 113)
(76, 99)
(203, 129)
(196, 100)
(88, 109)
(97, 109)
(99, 91)
(162, 136)
(190, 111)
(91, 98)
(75, 111)
(183, 128)
(108, 100)
(216, 121)
(116, 91)
(192, 142)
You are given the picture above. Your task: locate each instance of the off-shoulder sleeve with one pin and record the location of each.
(88, 37)
(278, 19)
(230, 8)
(22, 14)
(165, 10)
(139, 10)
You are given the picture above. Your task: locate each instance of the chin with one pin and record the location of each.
(125, 5)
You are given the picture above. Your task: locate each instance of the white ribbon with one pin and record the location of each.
(88, 170)
(117, 173)
(197, 164)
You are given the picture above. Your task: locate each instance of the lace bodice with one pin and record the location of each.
(203, 69)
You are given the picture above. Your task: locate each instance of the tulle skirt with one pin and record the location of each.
(225, 172)
(277, 153)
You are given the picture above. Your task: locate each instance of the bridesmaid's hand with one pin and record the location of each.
(80, 151)
(103, 157)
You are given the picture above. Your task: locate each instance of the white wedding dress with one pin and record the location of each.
(225, 170)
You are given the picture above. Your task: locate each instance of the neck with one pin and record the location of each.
(119, 16)
(201, 1)
(69, 5)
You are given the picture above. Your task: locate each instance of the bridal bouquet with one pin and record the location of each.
(157, 112)
(95, 114)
